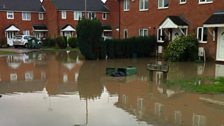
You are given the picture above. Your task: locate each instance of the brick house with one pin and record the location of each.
(168, 19)
(63, 16)
(21, 17)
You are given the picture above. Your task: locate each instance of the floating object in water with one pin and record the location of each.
(121, 71)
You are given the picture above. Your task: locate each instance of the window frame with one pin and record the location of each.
(91, 15)
(143, 30)
(145, 4)
(183, 2)
(163, 4)
(104, 16)
(77, 15)
(200, 36)
(160, 35)
(26, 16)
(205, 2)
(8, 13)
(124, 35)
(41, 16)
(63, 14)
(126, 5)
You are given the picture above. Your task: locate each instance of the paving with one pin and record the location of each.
(18, 50)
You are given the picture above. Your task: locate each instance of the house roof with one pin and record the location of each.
(216, 19)
(21, 5)
(173, 22)
(79, 5)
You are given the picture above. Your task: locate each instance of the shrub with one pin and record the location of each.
(72, 42)
(61, 42)
(48, 42)
(131, 47)
(3, 42)
(89, 36)
(183, 48)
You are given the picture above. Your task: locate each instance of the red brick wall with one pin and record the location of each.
(18, 22)
(51, 14)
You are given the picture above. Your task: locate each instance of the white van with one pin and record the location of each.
(21, 40)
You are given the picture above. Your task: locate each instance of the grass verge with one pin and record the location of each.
(6, 52)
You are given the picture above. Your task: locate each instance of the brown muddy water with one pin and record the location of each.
(60, 89)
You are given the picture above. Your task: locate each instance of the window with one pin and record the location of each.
(163, 4)
(63, 15)
(10, 15)
(205, 1)
(77, 15)
(26, 32)
(126, 5)
(143, 32)
(143, 5)
(104, 16)
(91, 15)
(26, 16)
(202, 34)
(160, 37)
(125, 33)
(183, 1)
(41, 16)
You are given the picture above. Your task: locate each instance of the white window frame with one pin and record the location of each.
(77, 15)
(200, 36)
(125, 31)
(41, 16)
(26, 32)
(104, 16)
(205, 1)
(159, 35)
(26, 16)
(91, 15)
(163, 4)
(143, 31)
(63, 14)
(10, 15)
(126, 5)
(145, 5)
(183, 1)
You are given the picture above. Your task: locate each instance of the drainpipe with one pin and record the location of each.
(119, 18)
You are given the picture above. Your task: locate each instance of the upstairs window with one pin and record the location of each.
(126, 5)
(202, 34)
(183, 1)
(26, 16)
(163, 4)
(143, 32)
(91, 15)
(104, 16)
(63, 15)
(205, 1)
(10, 15)
(41, 16)
(77, 15)
(143, 5)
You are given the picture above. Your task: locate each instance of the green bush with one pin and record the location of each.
(131, 47)
(48, 42)
(89, 37)
(72, 42)
(3, 43)
(183, 48)
(61, 42)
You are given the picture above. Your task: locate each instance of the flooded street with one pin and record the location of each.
(60, 89)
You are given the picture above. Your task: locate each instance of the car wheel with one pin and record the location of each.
(15, 46)
(26, 45)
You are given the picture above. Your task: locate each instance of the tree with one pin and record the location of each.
(89, 37)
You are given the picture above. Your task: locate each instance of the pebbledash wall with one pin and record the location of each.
(155, 14)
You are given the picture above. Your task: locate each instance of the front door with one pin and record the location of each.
(220, 45)
(9, 37)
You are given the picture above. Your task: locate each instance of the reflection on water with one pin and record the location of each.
(60, 89)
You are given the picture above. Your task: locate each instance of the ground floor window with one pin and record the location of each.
(202, 34)
(26, 32)
(125, 33)
(143, 32)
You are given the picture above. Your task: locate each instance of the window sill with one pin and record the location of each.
(202, 42)
(182, 3)
(126, 10)
(143, 10)
(205, 2)
(160, 41)
(161, 8)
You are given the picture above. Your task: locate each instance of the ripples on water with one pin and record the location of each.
(60, 89)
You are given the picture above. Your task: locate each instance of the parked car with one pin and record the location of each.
(21, 40)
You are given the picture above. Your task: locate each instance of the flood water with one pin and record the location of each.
(61, 89)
